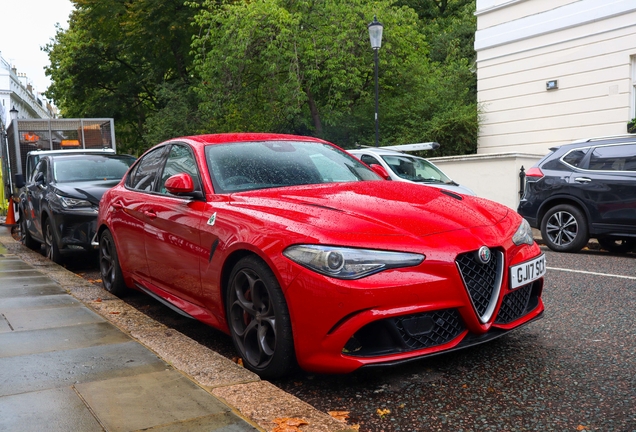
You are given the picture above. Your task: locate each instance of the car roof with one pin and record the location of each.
(105, 150)
(381, 151)
(588, 142)
(226, 138)
(66, 155)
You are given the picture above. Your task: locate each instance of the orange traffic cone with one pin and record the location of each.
(10, 215)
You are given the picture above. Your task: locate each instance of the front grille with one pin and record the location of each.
(483, 281)
(514, 305)
(405, 333)
(429, 329)
(519, 302)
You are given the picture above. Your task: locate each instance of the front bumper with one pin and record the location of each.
(400, 315)
(76, 228)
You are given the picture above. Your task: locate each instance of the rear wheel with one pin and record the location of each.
(617, 245)
(51, 250)
(259, 319)
(25, 236)
(112, 278)
(564, 228)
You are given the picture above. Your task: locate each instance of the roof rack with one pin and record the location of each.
(584, 140)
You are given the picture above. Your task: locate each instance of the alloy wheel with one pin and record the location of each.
(253, 318)
(562, 228)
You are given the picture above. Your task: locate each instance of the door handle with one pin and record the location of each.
(583, 179)
(150, 213)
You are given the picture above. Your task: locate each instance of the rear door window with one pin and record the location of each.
(613, 158)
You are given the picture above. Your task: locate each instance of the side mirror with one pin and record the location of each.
(19, 181)
(379, 170)
(180, 184)
(39, 179)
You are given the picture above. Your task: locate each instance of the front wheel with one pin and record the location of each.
(25, 236)
(109, 268)
(51, 250)
(617, 245)
(258, 319)
(564, 228)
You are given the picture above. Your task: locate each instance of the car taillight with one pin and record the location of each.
(534, 172)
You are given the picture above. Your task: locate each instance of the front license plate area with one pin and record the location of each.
(526, 272)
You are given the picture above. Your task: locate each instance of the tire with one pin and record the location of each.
(564, 228)
(25, 236)
(51, 250)
(617, 245)
(109, 268)
(258, 319)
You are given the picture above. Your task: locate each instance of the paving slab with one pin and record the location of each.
(54, 410)
(137, 402)
(39, 302)
(21, 319)
(59, 339)
(25, 280)
(63, 368)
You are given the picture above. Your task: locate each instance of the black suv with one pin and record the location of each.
(582, 190)
(59, 202)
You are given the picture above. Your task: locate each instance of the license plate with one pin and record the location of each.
(526, 272)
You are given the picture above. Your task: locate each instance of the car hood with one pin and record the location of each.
(90, 191)
(373, 208)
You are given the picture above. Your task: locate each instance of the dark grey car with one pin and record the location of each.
(58, 204)
(584, 190)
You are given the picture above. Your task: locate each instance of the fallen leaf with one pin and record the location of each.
(95, 280)
(98, 300)
(114, 313)
(288, 424)
(581, 427)
(465, 386)
(355, 427)
(339, 415)
(383, 412)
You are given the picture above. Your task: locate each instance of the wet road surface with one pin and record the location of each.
(573, 370)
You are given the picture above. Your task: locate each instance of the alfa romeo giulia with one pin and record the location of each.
(304, 255)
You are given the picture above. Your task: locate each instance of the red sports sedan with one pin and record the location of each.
(305, 255)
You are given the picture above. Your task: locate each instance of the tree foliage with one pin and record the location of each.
(165, 68)
(114, 58)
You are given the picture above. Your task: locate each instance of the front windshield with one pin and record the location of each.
(90, 168)
(415, 169)
(245, 166)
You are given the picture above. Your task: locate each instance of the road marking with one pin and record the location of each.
(592, 273)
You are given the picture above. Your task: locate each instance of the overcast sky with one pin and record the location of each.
(28, 25)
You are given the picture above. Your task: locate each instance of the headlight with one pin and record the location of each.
(73, 203)
(523, 234)
(347, 263)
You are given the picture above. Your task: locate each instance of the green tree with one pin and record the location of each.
(302, 66)
(114, 58)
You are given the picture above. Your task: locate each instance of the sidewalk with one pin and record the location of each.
(75, 358)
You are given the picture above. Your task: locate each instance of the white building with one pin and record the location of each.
(17, 91)
(548, 72)
(551, 71)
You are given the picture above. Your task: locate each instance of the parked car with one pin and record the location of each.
(409, 168)
(303, 254)
(582, 190)
(59, 202)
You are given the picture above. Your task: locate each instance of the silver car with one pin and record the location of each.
(408, 168)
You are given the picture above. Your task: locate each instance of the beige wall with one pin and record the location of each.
(492, 176)
(494, 12)
(586, 45)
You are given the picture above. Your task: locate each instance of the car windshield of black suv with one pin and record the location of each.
(86, 168)
(245, 166)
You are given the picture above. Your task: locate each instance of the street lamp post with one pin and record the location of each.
(375, 35)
